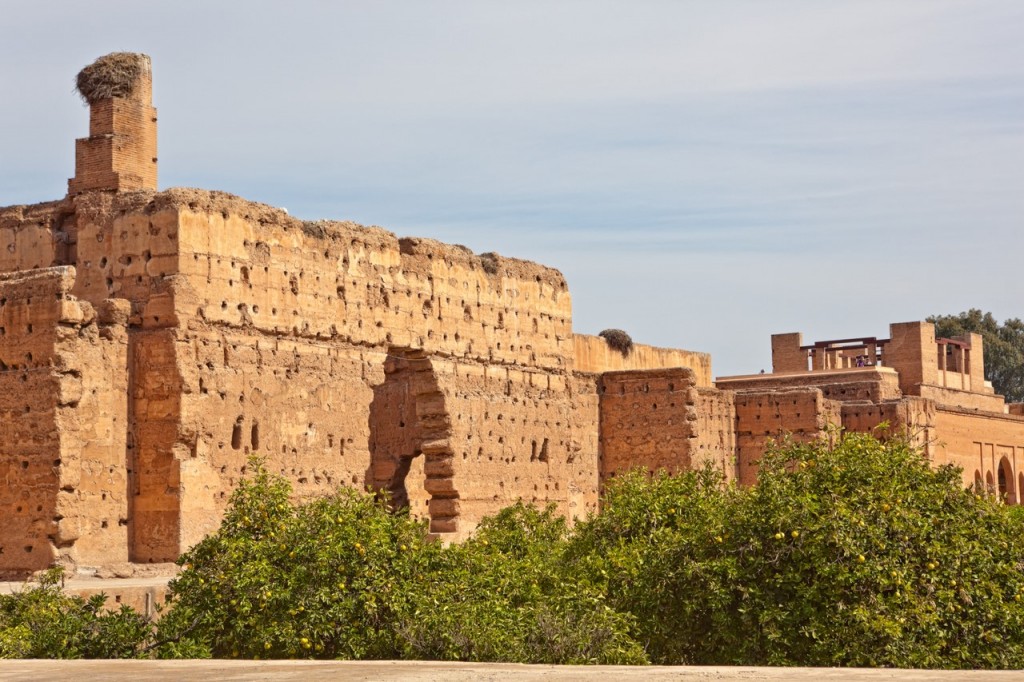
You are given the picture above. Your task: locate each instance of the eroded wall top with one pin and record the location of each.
(249, 265)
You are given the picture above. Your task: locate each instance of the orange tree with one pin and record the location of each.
(857, 553)
(344, 577)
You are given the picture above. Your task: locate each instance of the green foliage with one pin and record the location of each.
(1004, 347)
(655, 549)
(857, 554)
(507, 595)
(43, 622)
(327, 579)
(343, 577)
(847, 553)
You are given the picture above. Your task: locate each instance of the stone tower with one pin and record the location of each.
(120, 152)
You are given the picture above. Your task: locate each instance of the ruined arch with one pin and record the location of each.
(410, 446)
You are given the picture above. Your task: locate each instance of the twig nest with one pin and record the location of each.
(618, 340)
(114, 75)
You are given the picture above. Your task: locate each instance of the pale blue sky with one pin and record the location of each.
(704, 173)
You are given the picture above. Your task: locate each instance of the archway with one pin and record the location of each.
(410, 454)
(978, 482)
(1007, 489)
(990, 486)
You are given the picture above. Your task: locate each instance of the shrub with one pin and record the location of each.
(327, 579)
(43, 622)
(507, 595)
(854, 554)
(344, 577)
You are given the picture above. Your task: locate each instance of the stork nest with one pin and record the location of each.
(618, 340)
(114, 75)
(489, 262)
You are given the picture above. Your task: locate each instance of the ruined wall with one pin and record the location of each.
(64, 409)
(911, 417)
(126, 246)
(861, 383)
(967, 399)
(714, 437)
(594, 355)
(763, 416)
(647, 420)
(255, 267)
(293, 341)
(32, 237)
(515, 435)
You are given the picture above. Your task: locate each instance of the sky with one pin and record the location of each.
(705, 174)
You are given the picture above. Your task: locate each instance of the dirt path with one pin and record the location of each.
(101, 671)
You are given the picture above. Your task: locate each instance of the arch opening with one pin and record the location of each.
(1005, 478)
(410, 456)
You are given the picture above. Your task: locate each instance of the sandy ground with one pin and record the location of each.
(99, 671)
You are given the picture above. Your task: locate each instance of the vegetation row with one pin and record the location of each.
(849, 553)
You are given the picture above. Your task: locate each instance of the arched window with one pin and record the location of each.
(990, 486)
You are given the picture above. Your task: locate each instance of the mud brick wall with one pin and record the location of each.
(252, 266)
(714, 438)
(295, 341)
(514, 435)
(126, 247)
(594, 356)
(648, 420)
(910, 417)
(787, 355)
(304, 406)
(763, 416)
(968, 399)
(912, 353)
(156, 447)
(33, 237)
(874, 383)
(63, 411)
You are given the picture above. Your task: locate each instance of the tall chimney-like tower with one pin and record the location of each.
(120, 152)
